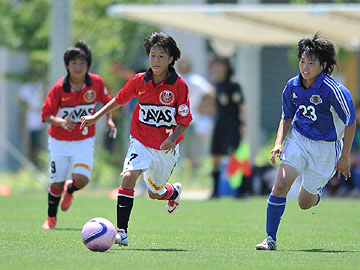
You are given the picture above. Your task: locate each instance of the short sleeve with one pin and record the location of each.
(128, 91)
(183, 112)
(51, 103)
(341, 100)
(288, 107)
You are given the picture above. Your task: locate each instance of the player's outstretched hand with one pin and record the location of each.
(168, 145)
(343, 167)
(275, 153)
(87, 121)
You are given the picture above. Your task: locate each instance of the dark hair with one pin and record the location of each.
(164, 41)
(318, 48)
(79, 51)
(226, 62)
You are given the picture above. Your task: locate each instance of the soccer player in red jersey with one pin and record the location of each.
(160, 118)
(70, 147)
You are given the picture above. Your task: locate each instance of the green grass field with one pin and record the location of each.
(217, 234)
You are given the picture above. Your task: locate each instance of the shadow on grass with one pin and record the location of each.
(155, 249)
(321, 250)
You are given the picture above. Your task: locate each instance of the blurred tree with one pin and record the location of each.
(113, 41)
(342, 53)
(25, 25)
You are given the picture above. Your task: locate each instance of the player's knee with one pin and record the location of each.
(304, 205)
(58, 186)
(81, 182)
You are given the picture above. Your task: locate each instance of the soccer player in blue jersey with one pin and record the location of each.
(321, 113)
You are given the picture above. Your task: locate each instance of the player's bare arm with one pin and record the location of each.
(343, 165)
(170, 142)
(67, 123)
(110, 126)
(89, 120)
(284, 126)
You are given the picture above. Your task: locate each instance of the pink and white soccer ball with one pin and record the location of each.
(98, 234)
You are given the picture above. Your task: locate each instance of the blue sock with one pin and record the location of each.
(275, 210)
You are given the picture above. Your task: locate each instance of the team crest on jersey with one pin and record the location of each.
(315, 99)
(183, 110)
(166, 97)
(90, 96)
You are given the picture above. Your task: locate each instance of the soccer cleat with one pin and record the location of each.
(67, 199)
(173, 205)
(121, 238)
(50, 223)
(268, 244)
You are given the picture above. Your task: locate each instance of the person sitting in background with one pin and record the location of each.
(351, 188)
(355, 157)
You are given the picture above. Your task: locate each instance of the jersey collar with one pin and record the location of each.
(170, 80)
(319, 80)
